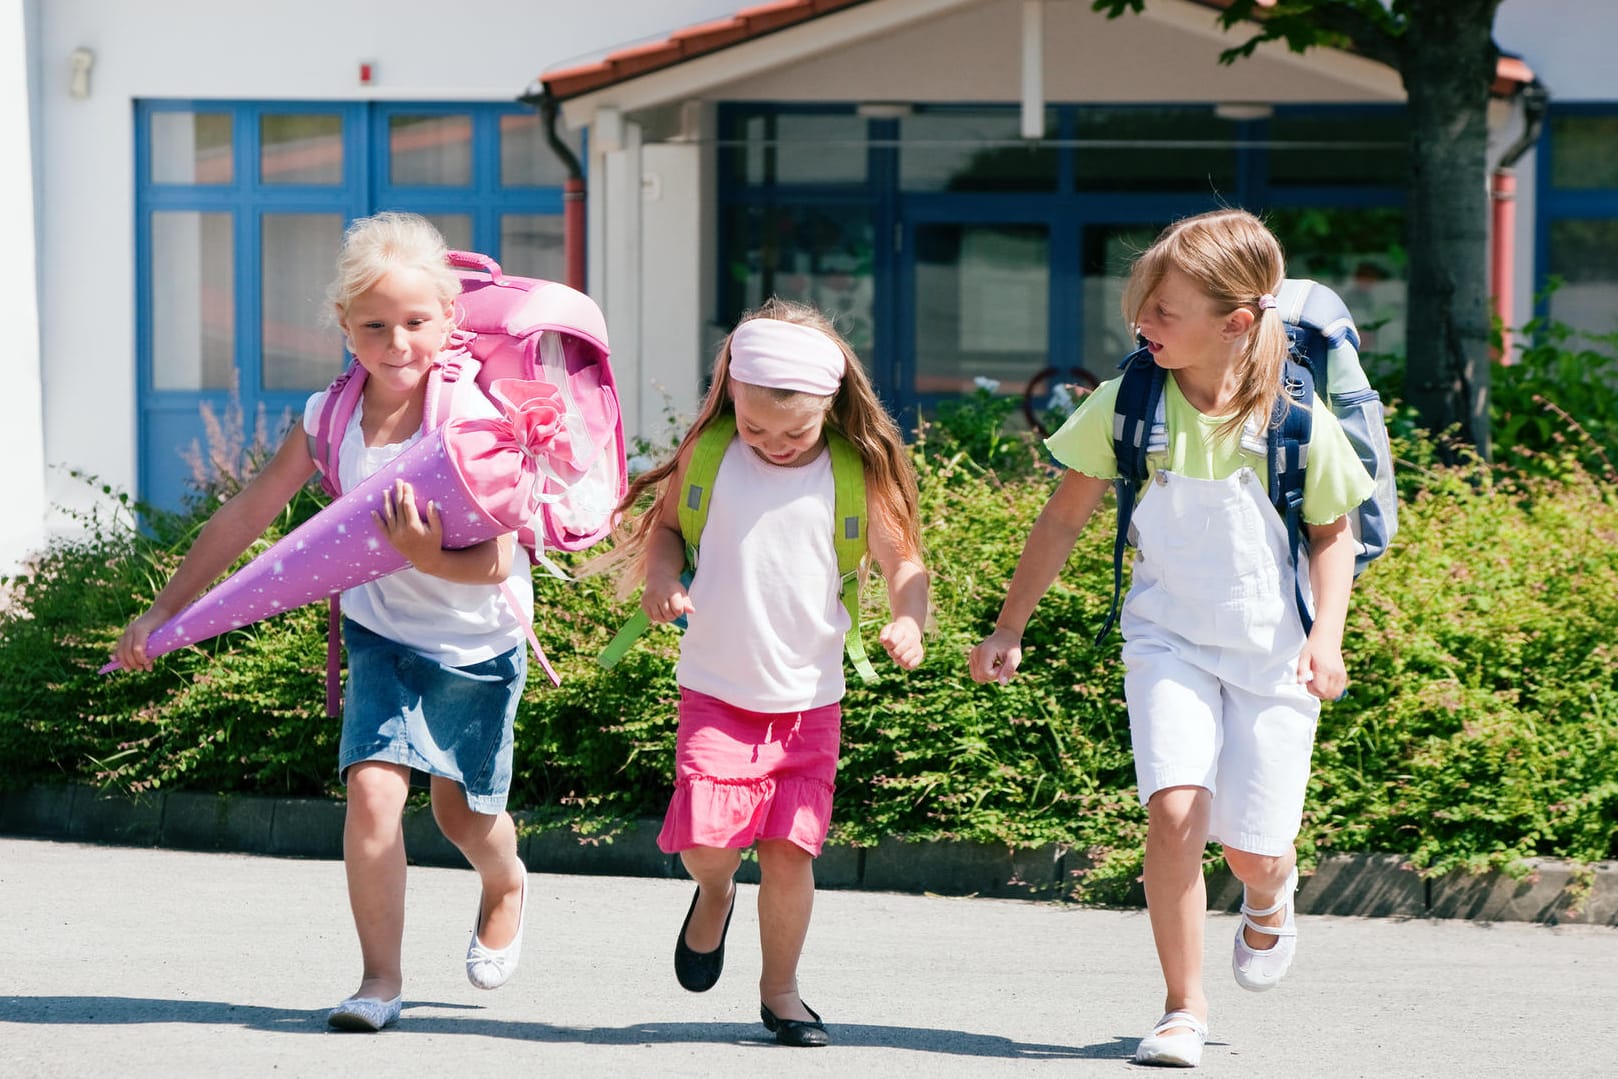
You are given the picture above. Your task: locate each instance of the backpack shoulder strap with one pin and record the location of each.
(696, 489)
(849, 539)
(1288, 458)
(342, 397)
(1140, 392)
(696, 494)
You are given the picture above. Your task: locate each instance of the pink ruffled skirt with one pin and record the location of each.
(742, 776)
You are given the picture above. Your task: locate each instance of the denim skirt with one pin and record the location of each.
(404, 708)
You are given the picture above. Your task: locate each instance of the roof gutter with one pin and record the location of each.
(1536, 99)
(572, 188)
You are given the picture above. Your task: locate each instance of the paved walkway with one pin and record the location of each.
(135, 962)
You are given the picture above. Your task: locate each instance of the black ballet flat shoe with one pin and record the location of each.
(798, 1032)
(698, 971)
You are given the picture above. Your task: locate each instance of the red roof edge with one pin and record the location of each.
(1510, 75)
(751, 23)
(746, 25)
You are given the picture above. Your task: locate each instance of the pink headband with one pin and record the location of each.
(785, 356)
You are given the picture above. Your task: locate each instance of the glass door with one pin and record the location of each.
(974, 310)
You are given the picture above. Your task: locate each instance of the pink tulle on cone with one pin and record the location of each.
(486, 476)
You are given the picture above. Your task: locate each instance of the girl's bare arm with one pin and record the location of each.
(1049, 543)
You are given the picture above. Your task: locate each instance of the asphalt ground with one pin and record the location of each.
(120, 961)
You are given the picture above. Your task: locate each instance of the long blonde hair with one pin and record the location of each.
(853, 411)
(1235, 260)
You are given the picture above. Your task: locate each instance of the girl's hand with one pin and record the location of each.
(664, 599)
(902, 639)
(131, 652)
(418, 540)
(1321, 669)
(997, 657)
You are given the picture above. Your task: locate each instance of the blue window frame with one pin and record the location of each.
(1577, 229)
(909, 220)
(239, 208)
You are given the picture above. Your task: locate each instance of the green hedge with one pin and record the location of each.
(1480, 726)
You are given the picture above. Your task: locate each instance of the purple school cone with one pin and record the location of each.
(487, 477)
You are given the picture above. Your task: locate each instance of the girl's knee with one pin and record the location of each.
(780, 855)
(710, 862)
(1249, 866)
(460, 823)
(1179, 810)
(377, 789)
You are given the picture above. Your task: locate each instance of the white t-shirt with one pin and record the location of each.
(455, 624)
(767, 633)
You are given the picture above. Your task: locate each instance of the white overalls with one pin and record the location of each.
(1211, 644)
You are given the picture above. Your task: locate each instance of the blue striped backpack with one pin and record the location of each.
(1325, 358)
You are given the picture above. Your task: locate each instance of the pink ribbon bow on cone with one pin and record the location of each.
(487, 476)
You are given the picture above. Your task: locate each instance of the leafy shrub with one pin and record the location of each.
(1558, 399)
(1480, 726)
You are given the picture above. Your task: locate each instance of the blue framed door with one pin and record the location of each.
(240, 207)
(1020, 292)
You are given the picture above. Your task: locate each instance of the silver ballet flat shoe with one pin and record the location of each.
(365, 1014)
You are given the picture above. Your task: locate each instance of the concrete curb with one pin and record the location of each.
(1367, 885)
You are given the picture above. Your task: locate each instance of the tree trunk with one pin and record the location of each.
(1447, 61)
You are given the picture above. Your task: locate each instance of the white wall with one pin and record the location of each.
(22, 477)
(674, 356)
(226, 49)
(1568, 43)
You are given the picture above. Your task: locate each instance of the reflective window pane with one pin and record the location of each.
(982, 306)
(300, 148)
(430, 151)
(1339, 149)
(302, 349)
(1155, 149)
(193, 315)
(531, 246)
(1584, 151)
(816, 254)
(1584, 253)
(526, 157)
(455, 228)
(1108, 251)
(973, 150)
(799, 148)
(1360, 254)
(191, 148)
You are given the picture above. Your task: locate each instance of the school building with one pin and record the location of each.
(960, 182)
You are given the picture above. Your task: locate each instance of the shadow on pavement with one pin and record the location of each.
(117, 1011)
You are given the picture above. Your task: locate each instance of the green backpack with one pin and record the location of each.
(848, 538)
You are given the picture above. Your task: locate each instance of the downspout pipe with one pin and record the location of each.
(1536, 99)
(572, 188)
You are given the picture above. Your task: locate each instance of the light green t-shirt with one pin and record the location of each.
(1334, 481)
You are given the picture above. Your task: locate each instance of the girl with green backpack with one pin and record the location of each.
(792, 465)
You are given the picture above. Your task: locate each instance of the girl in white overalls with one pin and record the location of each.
(1223, 686)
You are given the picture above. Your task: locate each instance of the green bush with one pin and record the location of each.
(1558, 399)
(1480, 726)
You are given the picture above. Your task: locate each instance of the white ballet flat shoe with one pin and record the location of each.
(365, 1014)
(1182, 1050)
(490, 968)
(1257, 970)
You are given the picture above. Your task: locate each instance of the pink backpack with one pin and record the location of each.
(514, 327)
